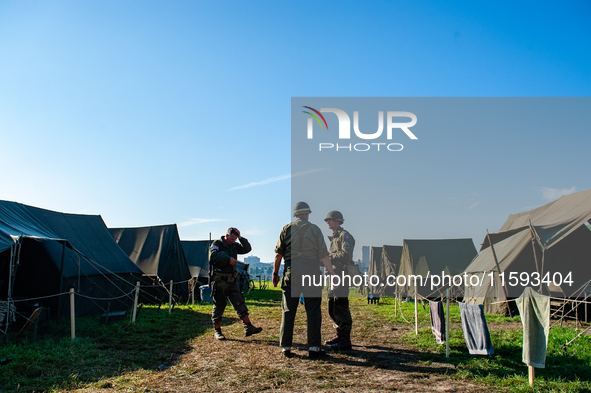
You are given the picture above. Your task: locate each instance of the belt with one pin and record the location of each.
(222, 274)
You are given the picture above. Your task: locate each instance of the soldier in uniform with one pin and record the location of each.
(222, 257)
(302, 246)
(341, 255)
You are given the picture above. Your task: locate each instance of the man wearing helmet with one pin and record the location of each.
(341, 255)
(222, 256)
(302, 245)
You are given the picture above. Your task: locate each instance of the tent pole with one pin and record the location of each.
(499, 271)
(534, 236)
(14, 262)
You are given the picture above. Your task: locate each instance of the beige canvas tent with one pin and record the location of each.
(548, 248)
(375, 259)
(389, 267)
(426, 258)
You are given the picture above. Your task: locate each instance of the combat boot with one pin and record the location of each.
(344, 344)
(315, 353)
(335, 339)
(249, 329)
(219, 335)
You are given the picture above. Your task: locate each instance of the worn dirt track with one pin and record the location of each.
(378, 362)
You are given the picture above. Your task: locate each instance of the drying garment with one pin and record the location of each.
(475, 329)
(437, 321)
(535, 317)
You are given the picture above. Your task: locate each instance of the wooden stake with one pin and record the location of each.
(170, 298)
(447, 323)
(416, 313)
(193, 293)
(137, 294)
(72, 315)
(396, 302)
(532, 375)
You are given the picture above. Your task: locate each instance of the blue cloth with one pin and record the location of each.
(475, 329)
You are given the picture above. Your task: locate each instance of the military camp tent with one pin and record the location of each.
(158, 252)
(197, 255)
(44, 253)
(425, 258)
(388, 267)
(375, 260)
(550, 243)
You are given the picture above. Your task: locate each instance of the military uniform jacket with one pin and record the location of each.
(341, 247)
(220, 254)
(301, 239)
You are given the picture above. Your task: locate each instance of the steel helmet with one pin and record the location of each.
(301, 208)
(335, 215)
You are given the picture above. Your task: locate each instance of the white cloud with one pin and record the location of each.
(551, 194)
(271, 180)
(194, 221)
(473, 205)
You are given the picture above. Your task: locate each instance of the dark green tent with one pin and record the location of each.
(158, 252)
(49, 252)
(197, 254)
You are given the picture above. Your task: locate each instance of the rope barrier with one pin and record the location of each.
(105, 298)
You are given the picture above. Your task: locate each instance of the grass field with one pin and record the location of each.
(176, 352)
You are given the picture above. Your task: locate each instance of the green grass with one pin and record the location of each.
(55, 362)
(122, 353)
(564, 372)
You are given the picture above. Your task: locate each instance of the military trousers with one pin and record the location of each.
(222, 291)
(338, 306)
(289, 306)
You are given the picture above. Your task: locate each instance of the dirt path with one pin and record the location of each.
(378, 362)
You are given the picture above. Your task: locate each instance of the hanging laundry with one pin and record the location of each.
(475, 329)
(535, 317)
(437, 321)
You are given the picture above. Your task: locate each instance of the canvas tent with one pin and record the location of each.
(44, 253)
(158, 252)
(426, 258)
(551, 241)
(197, 255)
(388, 267)
(375, 260)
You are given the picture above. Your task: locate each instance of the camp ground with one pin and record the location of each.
(43, 254)
(549, 247)
(158, 253)
(426, 258)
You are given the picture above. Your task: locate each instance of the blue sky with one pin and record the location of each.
(153, 112)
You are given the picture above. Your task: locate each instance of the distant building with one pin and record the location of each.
(364, 261)
(365, 255)
(252, 260)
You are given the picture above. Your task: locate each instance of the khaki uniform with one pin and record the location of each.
(302, 245)
(341, 248)
(224, 277)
